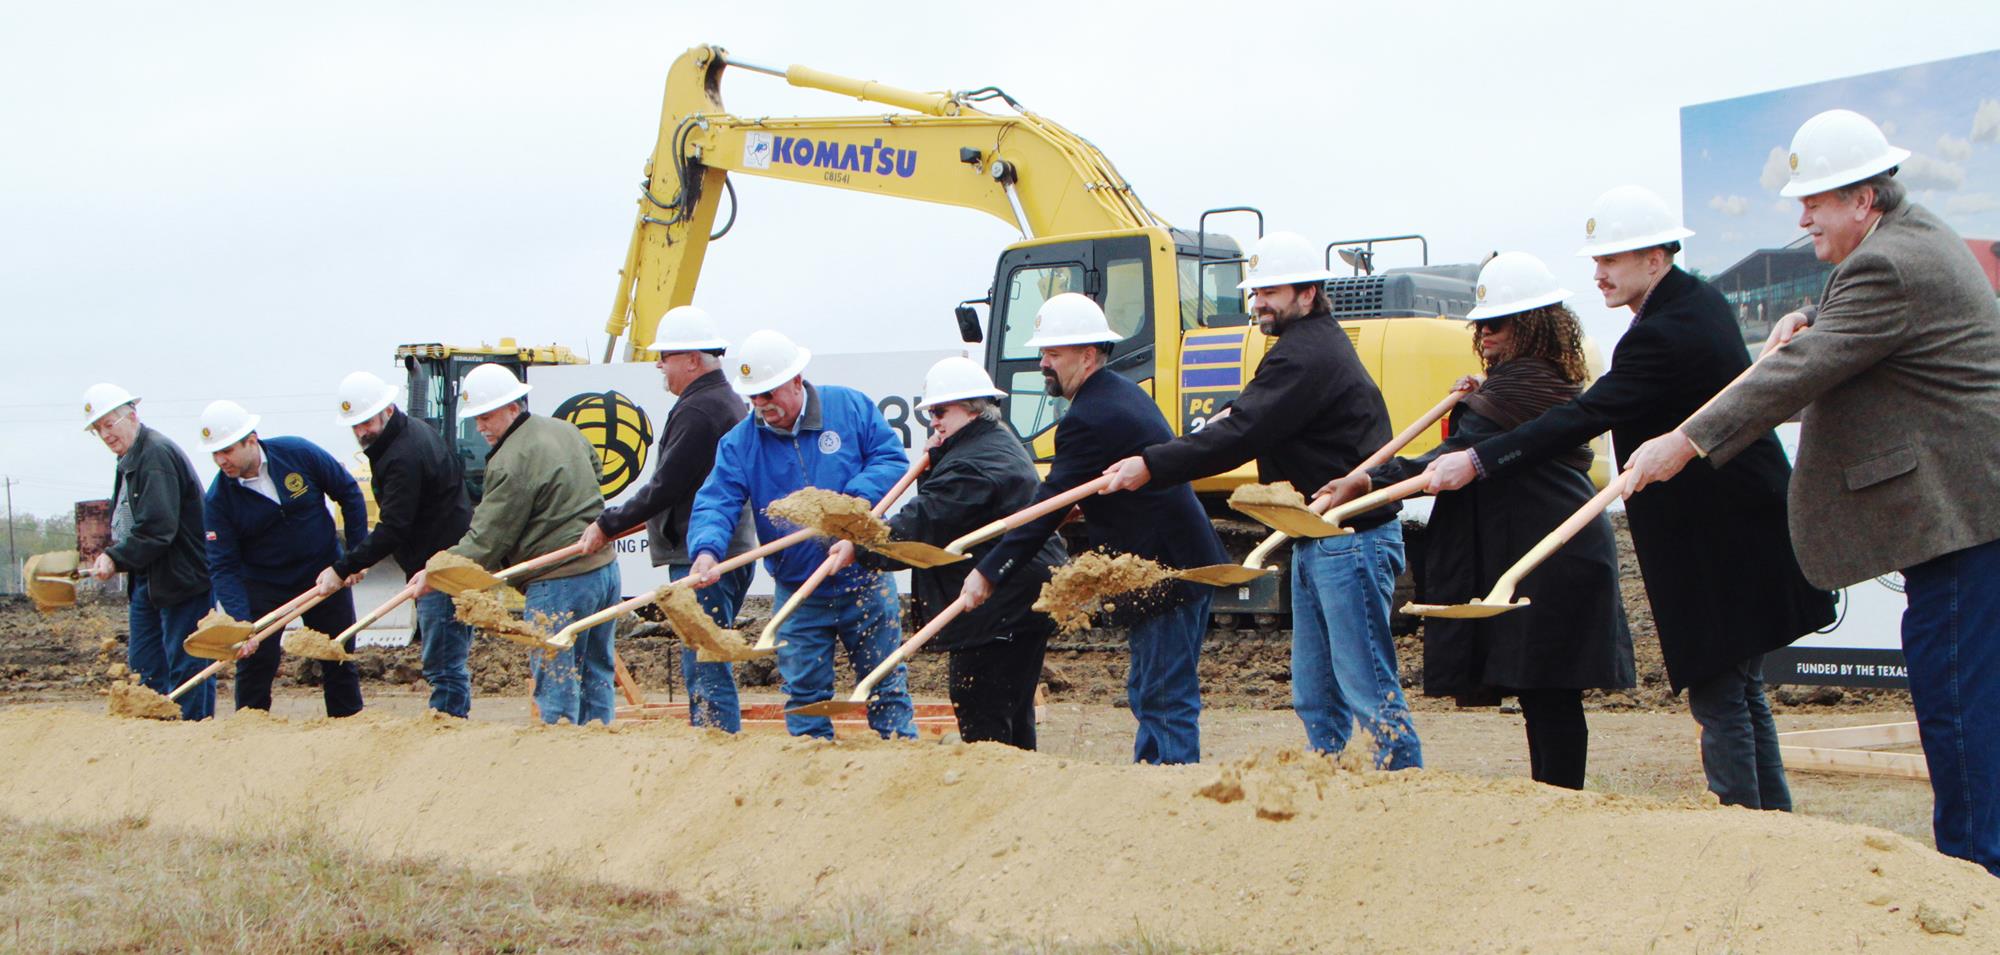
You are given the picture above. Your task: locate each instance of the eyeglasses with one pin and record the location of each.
(1492, 325)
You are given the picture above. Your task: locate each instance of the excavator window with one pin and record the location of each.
(1125, 296)
(1026, 291)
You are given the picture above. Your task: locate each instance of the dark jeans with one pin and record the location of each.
(1951, 641)
(1739, 740)
(993, 690)
(447, 645)
(712, 699)
(1558, 738)
(1163, 686)
(340, 683)
(154, 634)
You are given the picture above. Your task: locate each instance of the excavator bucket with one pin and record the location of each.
(51, 579)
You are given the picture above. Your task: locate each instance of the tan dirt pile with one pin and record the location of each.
(216, 618)
(446, 560)
(486, 611)
(830, 513)
(1282, 852)
(314, 645)
(698, 630)
(1281, 494)
(133, 701)
(1079, 588)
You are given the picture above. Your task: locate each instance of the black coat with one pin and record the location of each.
(420, 499)
(1572, 634)
(705, 410)
(1309, 415)
(165, 543)
(1111, 419)
(1712, 543)
(976, 476)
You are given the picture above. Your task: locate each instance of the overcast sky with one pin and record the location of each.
(250, 200)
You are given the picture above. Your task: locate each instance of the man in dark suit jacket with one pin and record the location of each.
(1111, 418)
(1720, 575)
(1309, 416)
(1899, 382)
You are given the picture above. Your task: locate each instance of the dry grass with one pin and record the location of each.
(123, 887)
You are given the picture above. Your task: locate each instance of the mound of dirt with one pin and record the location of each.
(1281, 494)
(446, 560)
(1085, 585)
(1281, 852)
(314, 645)
(486, 612)
(830, 513)
(133, 701)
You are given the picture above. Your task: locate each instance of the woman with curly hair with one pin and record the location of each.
(1572, 636)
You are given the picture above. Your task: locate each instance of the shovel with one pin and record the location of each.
(316, 646)
(1291, 521)
(218, 641)
(566, 637)
(51, 579)
(858, 701)
(768, 639)
(1501, 598)
(458, 580)
(1334, 517)
(1027, 514)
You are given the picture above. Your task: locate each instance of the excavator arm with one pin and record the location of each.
(1018, 167)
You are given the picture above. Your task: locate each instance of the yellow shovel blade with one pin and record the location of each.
(51, 579)
(217, 641)
(1294, 521)
(1223, 575)
(458, 580)
(829, 708)
(1472, 611)
(916, 553)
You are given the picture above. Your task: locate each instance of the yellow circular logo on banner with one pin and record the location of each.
(618, 429)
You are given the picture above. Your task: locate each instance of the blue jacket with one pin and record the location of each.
(843, 444)
(284, 545)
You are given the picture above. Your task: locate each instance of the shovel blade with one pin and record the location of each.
(50, 579)
(1471, 611)
(459, 580)
(1293, 521)
(829, 708)
(916, 553)
(1223, 575)
(217, 641)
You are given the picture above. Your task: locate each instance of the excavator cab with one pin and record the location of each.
(435, 372)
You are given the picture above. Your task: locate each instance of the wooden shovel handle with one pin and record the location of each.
(624, 607)
(1376, 498)
(559, 555)
(284, 610)
(1409, 434)
(903, 483)
(1558, 537)
(288, 613)
(378, 613)
(1030, 513)
(195, 681)
(825, 569)
(910, 646)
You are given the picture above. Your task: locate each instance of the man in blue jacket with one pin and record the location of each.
(803, 435)
(1110, 418)
(269, 534)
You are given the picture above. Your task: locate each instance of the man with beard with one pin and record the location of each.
(420, 494)
(1310, 414)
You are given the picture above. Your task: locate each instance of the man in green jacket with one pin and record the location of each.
(541, 492)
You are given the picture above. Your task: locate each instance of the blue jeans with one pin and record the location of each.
(446, 644)
(153, 647)
(1951, 641)
(867, 622)
(712, 686)
(1162, 686)
(1739, 740)
(577, 684)
(1343, 657)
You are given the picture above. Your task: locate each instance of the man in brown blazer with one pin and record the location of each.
(1898, 373)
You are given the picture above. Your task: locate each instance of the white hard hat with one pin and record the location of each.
(102, 399)
(486, 387)
(1837, 148)
(1070, 319)
(1627, 218)
(1284, 258)
(363, 396)
(224, 423)
(687, 328)
(764, 361)
(1514, 282)
(956, 379)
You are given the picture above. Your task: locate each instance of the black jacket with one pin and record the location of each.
(1573, 633)
(1111, 419)
(977, 476)
(705, 410)
(1309, 415)
(420, 496)
(1713, 543)
(166, 539)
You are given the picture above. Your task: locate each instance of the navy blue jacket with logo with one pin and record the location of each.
(282, 544)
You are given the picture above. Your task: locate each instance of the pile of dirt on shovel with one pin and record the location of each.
(830, 513)
(1089, 583)
(1280, 852)
(1281, 494)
